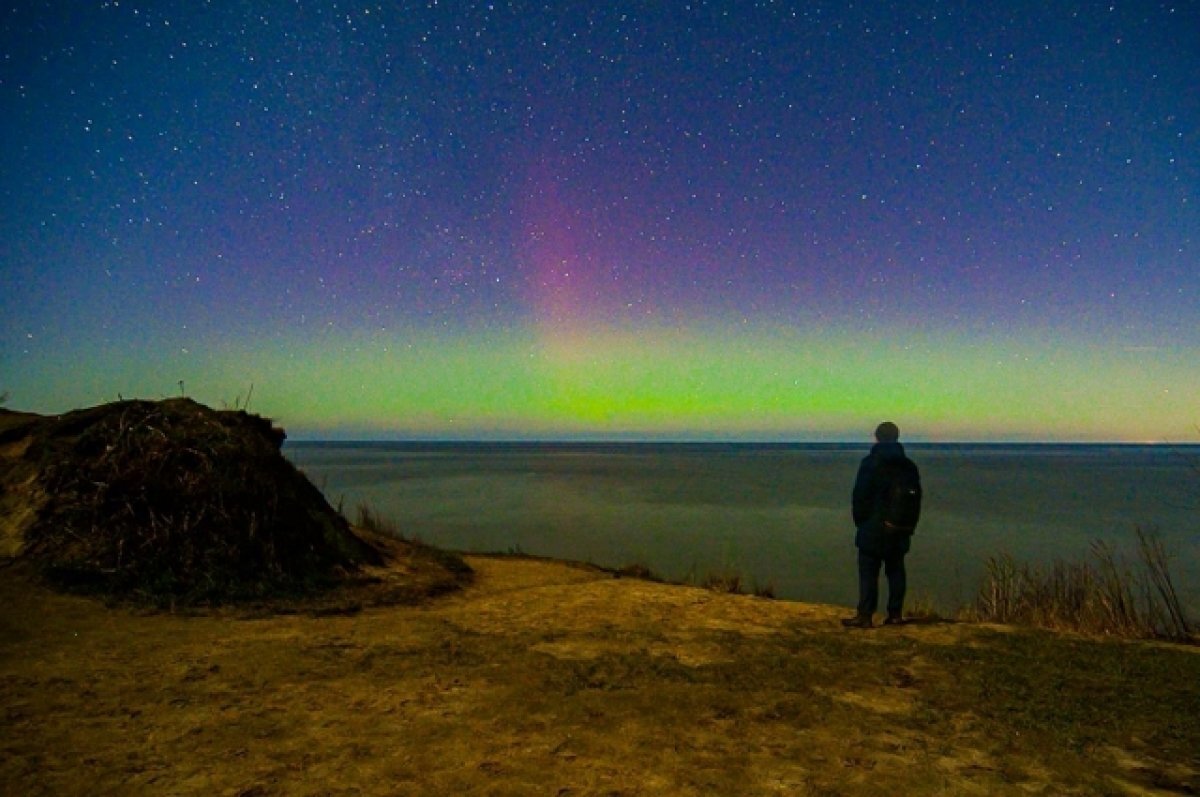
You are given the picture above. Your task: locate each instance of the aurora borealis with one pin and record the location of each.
(639, 220)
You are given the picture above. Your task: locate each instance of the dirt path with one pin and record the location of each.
(546, 678)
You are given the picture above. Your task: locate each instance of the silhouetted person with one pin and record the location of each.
(885, 505)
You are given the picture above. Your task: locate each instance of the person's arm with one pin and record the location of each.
(862, 502)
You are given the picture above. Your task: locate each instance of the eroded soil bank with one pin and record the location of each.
(548, 678)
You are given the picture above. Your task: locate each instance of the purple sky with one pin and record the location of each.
(284, 194)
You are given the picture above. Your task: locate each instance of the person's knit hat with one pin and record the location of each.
(887, 432)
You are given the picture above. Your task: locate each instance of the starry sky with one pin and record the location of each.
(634, 220)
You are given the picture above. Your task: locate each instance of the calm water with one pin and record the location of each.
(778, 514)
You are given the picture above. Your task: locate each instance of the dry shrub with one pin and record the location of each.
(1101, 595)
(729, 581)
(639, 571)
(172, 501)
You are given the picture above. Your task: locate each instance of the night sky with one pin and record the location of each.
(721, 220)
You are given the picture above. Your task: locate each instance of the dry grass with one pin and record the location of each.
(1101, 595)
(726, 581)
(548, 678)
(733, 583)
(375, 523)
(639, 571)
(922, 606)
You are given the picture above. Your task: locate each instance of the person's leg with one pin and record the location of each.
(868, 583)
(897, 584)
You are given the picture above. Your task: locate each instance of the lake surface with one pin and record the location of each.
(777, 514)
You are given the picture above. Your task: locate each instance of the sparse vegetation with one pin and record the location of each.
(764, 591)
(726, 581)
(374, 522)
(239, 404)
(639, 571)
(922, 606)
(1103, 595)
(732, 582)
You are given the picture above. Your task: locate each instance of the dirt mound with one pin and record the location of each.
(169, 501)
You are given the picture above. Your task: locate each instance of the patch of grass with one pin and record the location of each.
(604, 695)
(726, 581)
(638, 571)
(732, 582)
(1103, 595)
(922, 606)
(1158, 573)
(763, 590)
(1017, 705)
(1075, 694)
(374, 522)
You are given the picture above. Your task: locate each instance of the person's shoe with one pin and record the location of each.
(858, 621)
(894, 620)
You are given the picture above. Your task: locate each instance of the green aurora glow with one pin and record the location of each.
(717, 383)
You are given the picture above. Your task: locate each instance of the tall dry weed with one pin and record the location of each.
(1102, 594)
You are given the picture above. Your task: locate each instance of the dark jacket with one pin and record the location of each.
(866, 503)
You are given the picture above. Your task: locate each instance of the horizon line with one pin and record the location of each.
(711, 441)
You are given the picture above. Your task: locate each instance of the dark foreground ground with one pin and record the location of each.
(545, 678)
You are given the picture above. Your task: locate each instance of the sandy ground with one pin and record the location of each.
(540, 678)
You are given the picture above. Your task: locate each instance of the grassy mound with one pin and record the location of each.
(169, 501)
